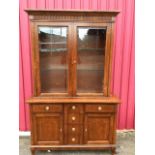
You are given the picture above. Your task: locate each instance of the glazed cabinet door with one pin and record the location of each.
(91, 59)
(53, 52)
(47, 128)
(98, 128)
(52, 58)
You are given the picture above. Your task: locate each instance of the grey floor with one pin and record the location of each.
(125, 146)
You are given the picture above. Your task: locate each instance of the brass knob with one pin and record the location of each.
(73, 118)
(74, 62)
(73, 107)
(47, 108)
(60, 129)
(73, 129)
(73, 139)
(85, 129)
(99, 108)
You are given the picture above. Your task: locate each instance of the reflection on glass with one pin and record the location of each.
(90, 60)
(53, 59)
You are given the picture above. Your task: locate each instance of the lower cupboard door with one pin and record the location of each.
(47, 129)
(98, 128)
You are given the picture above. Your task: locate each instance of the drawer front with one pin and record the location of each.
(74, 108)
(99, 108)
(73, 139)
(47, 108)
(74, 118)
(73, 129)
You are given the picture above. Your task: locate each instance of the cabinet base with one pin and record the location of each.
(73, 147)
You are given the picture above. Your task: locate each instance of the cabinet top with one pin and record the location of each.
(107, 100)
(38, 11)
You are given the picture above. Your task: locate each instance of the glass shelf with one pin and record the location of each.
(54, 50)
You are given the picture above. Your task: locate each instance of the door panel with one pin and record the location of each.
(48, 128)
(98, 128)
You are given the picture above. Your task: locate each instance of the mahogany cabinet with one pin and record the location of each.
(72, 107)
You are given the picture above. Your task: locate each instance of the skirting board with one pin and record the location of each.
(27, 133)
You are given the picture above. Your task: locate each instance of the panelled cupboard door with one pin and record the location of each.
(98, 128)
(48, 128)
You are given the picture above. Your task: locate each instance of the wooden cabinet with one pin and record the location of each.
(72, 107)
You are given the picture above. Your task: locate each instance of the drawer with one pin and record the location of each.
(73, 139)
(99, 108)
(74, 108)
(73, 129)
(47, 108)
(74, 118)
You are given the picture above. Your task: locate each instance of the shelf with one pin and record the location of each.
(55, 67)
(79, 67)
(52, 43)
(53, 50)
(65, 49)
(90, 49)
(90, 67)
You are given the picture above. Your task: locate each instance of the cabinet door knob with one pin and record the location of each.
(73, 118)
(73, 129)
(47, 108)
(99, 108)
(60, 129)
(73, 107)
(73, 139)
(85, 129)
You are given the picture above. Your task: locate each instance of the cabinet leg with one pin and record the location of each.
(32, 152)
(113, 151)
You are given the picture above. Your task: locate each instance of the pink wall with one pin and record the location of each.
(123, 58)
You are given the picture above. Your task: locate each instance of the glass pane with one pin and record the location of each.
(53, 59)
(90, 60)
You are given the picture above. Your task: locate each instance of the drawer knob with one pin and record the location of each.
(73, 139)
(47, 108)
(60, 129)
(85, 129)
(74, 62)
(73, 107)
(73, 118)
(99, 108)
(73, 129)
